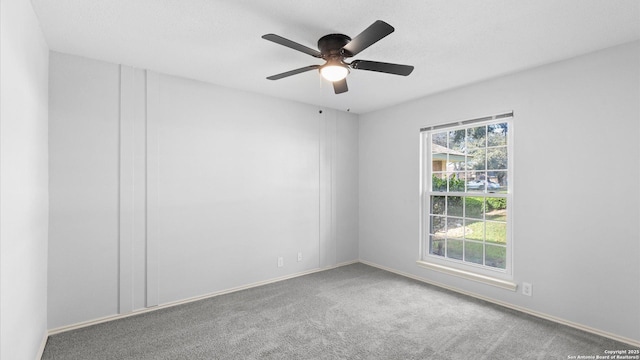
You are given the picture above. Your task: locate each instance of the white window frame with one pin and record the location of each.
(481, 273)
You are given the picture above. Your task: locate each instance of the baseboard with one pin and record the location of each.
(189, 300)
(341, 264)
(45, 337)
(555, 319)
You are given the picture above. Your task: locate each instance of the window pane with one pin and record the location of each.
(456, 140)
(456, 181)
(437, 205)
(474, 207)
(497, 134)
(492, 185)
(497, 209)
(438, 226)
(497, 182)
(439, 162)
(438, 182)
(454, 206)
(439, 139)
(497, 158)
(436, 245)
(466, 164)
(474, 229)
(473, 252)
(455, 228)
(455, 150)
(476, 181)
(496, 232)
(454, 249)
(476, 137)
(495, 256)
(477, 159)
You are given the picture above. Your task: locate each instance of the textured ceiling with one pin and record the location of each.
(451, 43)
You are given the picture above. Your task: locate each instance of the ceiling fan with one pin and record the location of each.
(334, 48)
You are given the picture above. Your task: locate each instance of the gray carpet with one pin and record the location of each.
(352, 312)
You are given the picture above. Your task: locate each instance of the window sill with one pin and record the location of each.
(503, 284)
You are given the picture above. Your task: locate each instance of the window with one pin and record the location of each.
(466, 196)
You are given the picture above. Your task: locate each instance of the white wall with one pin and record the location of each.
(83, 189)
(164, 188)
(576, 210)
(346, 190)
(23, 182)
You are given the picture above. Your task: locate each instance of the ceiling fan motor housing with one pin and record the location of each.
(331, 45)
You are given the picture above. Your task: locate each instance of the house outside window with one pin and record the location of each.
(467, 187)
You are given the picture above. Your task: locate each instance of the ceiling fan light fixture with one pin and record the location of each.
(333, 71)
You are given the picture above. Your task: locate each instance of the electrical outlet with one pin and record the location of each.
(299, 256)
(280, 261)
(527, 289)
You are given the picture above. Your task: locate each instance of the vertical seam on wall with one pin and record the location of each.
(334, 199)
(119, 172)
(147, 198)
(320, 192)
(146, 195)
(151, 200)
(148, 274)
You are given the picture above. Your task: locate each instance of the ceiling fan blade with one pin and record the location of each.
(293, 72)
(291, 44)
(388, 68)
(340, 86)
(368, 37)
